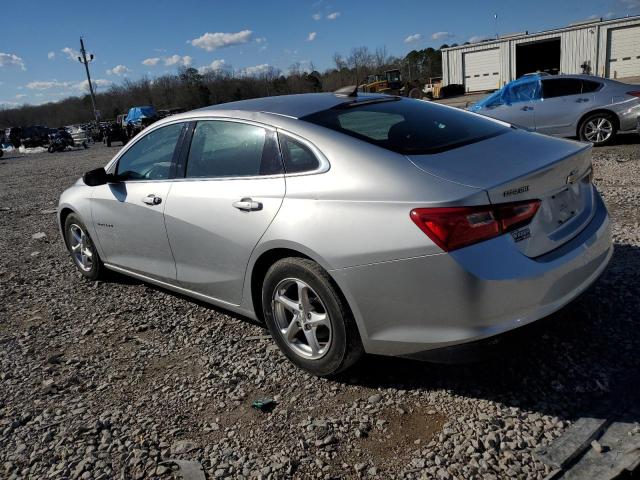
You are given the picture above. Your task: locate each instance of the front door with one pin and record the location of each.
(128, 213)
(232, 189)
(518, 103)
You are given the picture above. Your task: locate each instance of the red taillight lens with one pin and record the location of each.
(635, 93)
(455, 227)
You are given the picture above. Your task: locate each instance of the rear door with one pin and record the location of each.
(232, 188)
(563, 103)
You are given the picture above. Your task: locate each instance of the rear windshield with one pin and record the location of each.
(409, 127)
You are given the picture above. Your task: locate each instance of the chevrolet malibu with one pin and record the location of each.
(348, 223)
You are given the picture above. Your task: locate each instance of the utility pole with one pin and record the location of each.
(83, 59)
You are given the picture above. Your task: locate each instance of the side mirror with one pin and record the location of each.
(96, 177)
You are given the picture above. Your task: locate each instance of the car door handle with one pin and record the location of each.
(247, 205)
(526, 108)
(580, 100)
(151, 199)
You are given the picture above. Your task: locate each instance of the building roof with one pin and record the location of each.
(578, 26)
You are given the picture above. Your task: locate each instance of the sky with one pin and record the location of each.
(136, 38)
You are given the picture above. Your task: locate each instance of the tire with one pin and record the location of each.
(599, 129)
(51, 149)
(84, 145)
(415, 93)
(338, 344)
(96, 269)
(108, 141)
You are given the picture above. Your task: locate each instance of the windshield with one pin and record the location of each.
(410, 127)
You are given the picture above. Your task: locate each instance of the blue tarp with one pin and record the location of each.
(138, 113)
(524, 89)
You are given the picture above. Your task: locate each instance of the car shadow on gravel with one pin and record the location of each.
(580, 362)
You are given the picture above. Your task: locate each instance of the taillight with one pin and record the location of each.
(455, 227)
(635, 93)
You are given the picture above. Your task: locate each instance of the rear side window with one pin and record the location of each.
(150, 157)
(231, 149)
(561, 87)
(589, 86)
(297, 156)
(410, 127)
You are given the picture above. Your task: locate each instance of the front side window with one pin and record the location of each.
(150, 157)
(561, 87)
(231, 149)
(523, 90)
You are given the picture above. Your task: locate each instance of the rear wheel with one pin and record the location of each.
(82, 248)
(308, 318)
(599, 129)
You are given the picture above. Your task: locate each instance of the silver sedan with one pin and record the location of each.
(348, 224)
(594, 109)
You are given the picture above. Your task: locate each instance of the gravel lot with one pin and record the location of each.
(111, 379)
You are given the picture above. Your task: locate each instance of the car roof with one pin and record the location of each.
(546, 76)
(295, 106)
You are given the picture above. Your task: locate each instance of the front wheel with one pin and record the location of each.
(599, 129)
(308, 318)
(82, 248)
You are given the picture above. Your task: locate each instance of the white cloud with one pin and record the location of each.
(214, 66)
(118, 70)
(261, 40)
(609, 15)
(21, 95)
(7, 104)
(51, 55)
(256, 70)
(442, 35)
(333, 15)
(316, 16)
(47, 85)
(71, 53)
(151, 62)
(413, 38)
(178, 60)
(212, 41)
(84, 85)
(477, 38)
(11, 60)
(312, 36)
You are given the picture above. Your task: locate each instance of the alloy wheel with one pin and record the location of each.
(301, 318)
(80, 246)
(598, 130)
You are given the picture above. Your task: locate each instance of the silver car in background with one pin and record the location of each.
(348, 224)
(594, 109)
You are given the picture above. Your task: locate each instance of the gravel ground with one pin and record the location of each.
(113, 379)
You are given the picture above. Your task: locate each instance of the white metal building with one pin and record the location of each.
(609, 48)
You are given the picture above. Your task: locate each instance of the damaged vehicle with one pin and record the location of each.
(593, 109)
(348, 223)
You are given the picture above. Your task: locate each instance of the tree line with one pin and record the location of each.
(191, 88)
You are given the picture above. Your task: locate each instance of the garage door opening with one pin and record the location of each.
(541, 56)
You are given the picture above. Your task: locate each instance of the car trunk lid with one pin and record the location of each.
(521, 166)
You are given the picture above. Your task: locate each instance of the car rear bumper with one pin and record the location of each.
(406, 307)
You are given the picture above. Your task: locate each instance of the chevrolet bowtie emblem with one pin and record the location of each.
(573, 176)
